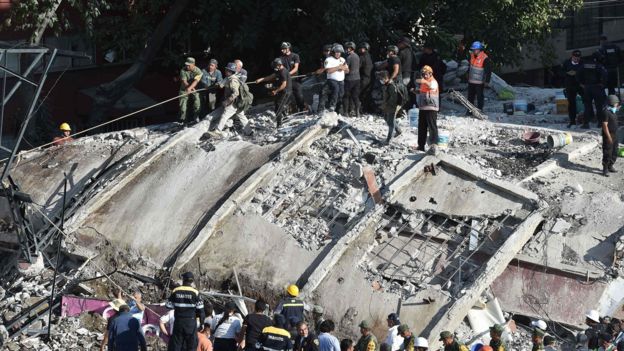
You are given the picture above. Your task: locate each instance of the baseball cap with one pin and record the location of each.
(189, 61)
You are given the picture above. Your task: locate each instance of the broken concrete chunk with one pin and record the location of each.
(560, 226)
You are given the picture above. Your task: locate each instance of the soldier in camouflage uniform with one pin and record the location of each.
(450, 344)
(496, 332)
(190, 76)
(368, 341)
(538, 339)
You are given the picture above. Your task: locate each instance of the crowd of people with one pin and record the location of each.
(191, 324)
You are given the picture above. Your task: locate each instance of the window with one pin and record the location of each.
(585, 28)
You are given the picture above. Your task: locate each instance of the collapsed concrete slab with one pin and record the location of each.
(413, 256)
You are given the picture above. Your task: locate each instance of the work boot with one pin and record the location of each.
(605, 171)
(611, 169)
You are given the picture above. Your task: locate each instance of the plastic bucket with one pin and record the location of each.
(559, 140)
(444, 137)
(508, 108)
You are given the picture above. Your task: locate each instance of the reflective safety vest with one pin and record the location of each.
(476, 74)
(292, 309)
(428, 99)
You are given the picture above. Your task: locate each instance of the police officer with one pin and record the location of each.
(366, 73)
(291, 62)
(282, 89)
(496, 332)
(291, 307)
(187, 306)
(368, 341)
(571, 69)
(351, 99)
(479, 74)
(612, 59)
(592, 78)
(306, 340)
(275, 338)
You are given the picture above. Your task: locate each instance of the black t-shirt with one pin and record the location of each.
(289, 61)
(283, 76)
(611, 118)
(394, 60)
(255, 322)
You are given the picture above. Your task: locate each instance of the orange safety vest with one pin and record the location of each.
(477, 73)
(428, 99)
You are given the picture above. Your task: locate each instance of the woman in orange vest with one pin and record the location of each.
(479, 74)
(428, 99)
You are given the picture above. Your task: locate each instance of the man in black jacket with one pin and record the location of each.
(187, 304)
(571, 69)
(431, 58)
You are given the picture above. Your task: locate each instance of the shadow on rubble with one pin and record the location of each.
(569, 165)
(604, 252)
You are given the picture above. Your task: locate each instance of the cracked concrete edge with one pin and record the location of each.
(336, 253)
(570, 154)
(451, 318)
(247, 190)
(101, 198)
(522, 128)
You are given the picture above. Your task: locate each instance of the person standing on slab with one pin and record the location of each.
(571, 68)
(609, 135)
(479, 74)
(428, 100)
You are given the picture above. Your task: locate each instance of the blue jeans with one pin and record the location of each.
(336, 93)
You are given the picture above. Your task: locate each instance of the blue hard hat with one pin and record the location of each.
(476, 46)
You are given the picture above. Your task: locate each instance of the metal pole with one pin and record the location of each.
(4, 79)
(58, 255)
(44, 75)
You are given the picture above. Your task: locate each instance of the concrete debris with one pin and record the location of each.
(560, 226)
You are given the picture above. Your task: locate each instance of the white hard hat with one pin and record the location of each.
(539, 324)
(593, 315)
(421, 342)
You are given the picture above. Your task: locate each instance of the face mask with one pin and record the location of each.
(614, 109)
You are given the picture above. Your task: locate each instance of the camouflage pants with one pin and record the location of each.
(196, 107)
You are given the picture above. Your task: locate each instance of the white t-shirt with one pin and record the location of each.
(332, 62)
(228, 329)
(394, 339)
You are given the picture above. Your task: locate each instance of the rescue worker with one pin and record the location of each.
(305, 340)
(368, 341)
(231, 86)
(210, 78)
(431, 58)
(390, 105)
(549, 343)
(282, 89)
(407, 59)
(291, 62)
(254, 323)
(322, 77)
(592, 78)
(609, 135)
(393, 339)
(336, 68)
(479, 74)
(428, 104)
(592, 320)
(190, 76)
(276, 337)
(187, 306)
(496, 332)
(612, 59)
(291, 308)
(351, 100)
(421, 344)
(449, 342)
(605, 342)
(409, 340)
(366, 73)
(65, 136)
(537, 337)
(317, 316)
(393, 64)
(571, 69)
(240, 71)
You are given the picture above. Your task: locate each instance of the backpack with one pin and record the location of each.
(402, 93)
(245, 98)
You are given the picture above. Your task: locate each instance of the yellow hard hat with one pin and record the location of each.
(65, 127)
(292, 290)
